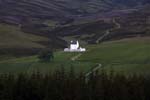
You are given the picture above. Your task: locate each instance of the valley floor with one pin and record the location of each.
(126, 56)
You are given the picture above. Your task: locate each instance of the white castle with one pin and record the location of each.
(74, 47)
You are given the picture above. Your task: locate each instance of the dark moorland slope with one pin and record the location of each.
(17, 10)
(92, 21)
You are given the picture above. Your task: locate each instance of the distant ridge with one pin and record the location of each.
(19, 9)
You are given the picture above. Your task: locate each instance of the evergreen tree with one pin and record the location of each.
(69, 86)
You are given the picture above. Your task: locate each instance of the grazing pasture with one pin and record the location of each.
(128, 56)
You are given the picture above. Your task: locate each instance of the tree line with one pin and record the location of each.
(61, 85)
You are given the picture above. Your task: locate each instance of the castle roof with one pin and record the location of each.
(73, 42)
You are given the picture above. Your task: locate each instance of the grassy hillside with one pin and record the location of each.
(124, 56)
(128, 55)
(14, 42)
(12, 37)
(31, 64)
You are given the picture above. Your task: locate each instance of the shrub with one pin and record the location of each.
(46, 55)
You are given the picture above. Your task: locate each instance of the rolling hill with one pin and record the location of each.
(14, 41)
(12, 36)
(42, 23)
(16, 11)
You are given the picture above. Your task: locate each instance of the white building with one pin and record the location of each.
(74, 47)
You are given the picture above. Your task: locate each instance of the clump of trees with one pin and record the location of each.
(68, 86)
(46, 55)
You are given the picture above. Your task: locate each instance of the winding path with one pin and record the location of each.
(87, 75)
(76, 57)
(118, 26)
(93, 70)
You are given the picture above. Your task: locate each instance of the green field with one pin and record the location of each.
(125, 56)
(32, 64)
(128, 56)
